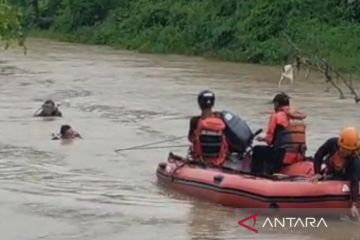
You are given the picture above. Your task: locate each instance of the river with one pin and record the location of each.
(116, 99)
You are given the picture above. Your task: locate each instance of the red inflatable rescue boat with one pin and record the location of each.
(243, 190)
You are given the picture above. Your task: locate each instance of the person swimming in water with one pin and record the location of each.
(48, 109)
(66, 132)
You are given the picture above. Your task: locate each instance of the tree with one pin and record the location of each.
(10, 24)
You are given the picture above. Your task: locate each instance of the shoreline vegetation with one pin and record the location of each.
(320, 35)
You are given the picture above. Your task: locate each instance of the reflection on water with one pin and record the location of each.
(117, 99)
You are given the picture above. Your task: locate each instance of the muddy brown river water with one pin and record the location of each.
(116, 99)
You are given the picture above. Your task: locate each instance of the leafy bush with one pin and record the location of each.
(247, 30)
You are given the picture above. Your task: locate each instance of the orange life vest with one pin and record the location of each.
(293, 140)
(210, 143)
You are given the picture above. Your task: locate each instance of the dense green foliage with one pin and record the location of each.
(10, 25)
(237, 30)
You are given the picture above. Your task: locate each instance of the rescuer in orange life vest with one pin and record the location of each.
(285, 138)
(342, 159)
(206, 133)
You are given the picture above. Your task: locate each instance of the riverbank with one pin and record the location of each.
(78, 38)
(245, 31)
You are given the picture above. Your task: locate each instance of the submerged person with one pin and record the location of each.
(342, 160)
(48, 109)
(285, 138)
(66, 132)
(207, 132)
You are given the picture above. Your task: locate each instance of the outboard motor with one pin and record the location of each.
(238, 132)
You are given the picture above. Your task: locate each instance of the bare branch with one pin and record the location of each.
(314, 62)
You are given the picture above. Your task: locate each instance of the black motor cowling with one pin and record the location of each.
(237, 131)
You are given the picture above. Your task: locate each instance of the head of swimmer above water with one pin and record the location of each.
(49, 108)
(66, 132)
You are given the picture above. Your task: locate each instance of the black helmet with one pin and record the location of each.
(281, 99)
(49, 101)
(206, 99)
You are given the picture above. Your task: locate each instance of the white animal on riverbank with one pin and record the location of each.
(287, 73)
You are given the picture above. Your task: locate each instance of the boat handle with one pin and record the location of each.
(218, 178)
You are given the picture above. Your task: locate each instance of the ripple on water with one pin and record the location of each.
(75, 213)
(63, 94)
(30, 171)
(120, 113)
(13, 70)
